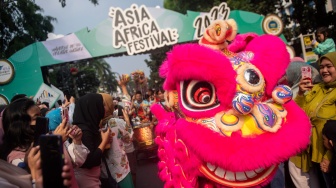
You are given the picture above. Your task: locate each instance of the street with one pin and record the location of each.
(147, 173)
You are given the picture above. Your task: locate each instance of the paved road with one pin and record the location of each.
(147, 174)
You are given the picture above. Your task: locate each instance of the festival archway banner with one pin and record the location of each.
(137, 29)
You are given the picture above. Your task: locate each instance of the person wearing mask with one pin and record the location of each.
(18, 119)
(318, 101)
(90, 110)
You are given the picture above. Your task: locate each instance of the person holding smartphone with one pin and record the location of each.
(35, 166)
(116, 158)
(76, 149)
(13, 176)
(75, 152)
(19, 119)
(318, 101)
(88, 113)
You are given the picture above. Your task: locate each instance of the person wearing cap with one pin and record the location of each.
(318, 101)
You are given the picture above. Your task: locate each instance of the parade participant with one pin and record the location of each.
(220, 131)
(89, 111)
(318, 101)
(140, 108)
(160, 95)
(151, 99)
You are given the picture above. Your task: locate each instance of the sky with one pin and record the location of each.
(79, 14)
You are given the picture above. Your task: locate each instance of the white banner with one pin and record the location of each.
(46, 94)
(67, 48)
(61, 97)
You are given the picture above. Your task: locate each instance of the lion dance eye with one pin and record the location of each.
(198, 95)
(202, 95)
(252, 76)
(218, 29)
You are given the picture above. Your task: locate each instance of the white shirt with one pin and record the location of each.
(116, 156)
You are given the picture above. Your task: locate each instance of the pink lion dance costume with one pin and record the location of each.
(228, 123)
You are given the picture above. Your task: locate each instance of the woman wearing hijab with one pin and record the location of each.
(116, 158)
(88, 113)
(318, 101)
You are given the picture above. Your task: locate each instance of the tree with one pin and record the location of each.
(306, 15)
(63, 2)
(87, 81)
(182, 6)
(22, 24)
(108, 81)
(81, 77)
(156, 59)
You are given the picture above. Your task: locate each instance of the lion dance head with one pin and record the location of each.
(228, 124)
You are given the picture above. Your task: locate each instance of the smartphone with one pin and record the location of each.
(306, 72)
(65, 113)
(104, 128)
(41, 128)
(52, 160)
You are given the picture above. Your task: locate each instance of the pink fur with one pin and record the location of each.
(163, 71)
(272, 65)
(241, 41)
(248, 153)
(194, 62)
(184, 146)
(174, 156)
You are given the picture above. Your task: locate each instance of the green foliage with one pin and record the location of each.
(87, 81)
(22, 24)
(257, 6)
(156, 58)
(182, 6)
(63, 2)
(108, 81)
(93, 76)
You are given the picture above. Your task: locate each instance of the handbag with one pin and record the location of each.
(108, 182)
